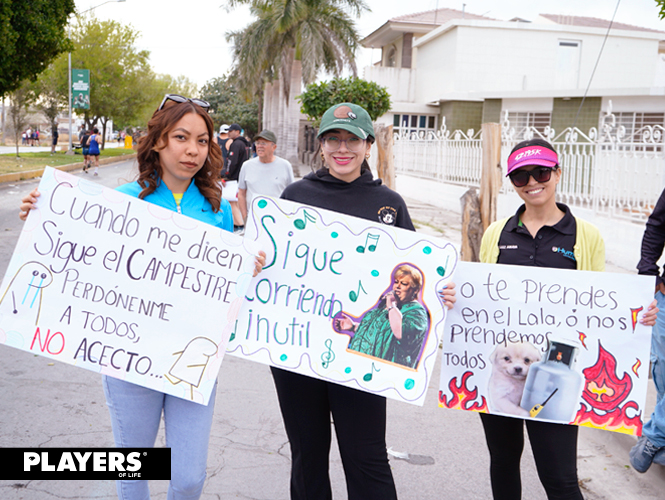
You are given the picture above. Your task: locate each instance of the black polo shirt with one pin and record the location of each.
(552, 246)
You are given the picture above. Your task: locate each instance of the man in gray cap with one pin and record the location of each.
(266, 174)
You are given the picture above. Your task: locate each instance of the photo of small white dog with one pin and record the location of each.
(510, 366)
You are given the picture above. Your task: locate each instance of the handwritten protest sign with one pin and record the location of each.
(120, 286)
(344, 300)
(548, 344)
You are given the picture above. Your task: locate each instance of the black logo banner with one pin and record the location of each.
(85, 463)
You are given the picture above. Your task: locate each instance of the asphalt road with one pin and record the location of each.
(47, 404)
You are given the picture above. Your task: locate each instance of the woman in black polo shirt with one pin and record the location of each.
(542, 233)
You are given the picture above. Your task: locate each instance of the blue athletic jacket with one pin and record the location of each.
(193, 203)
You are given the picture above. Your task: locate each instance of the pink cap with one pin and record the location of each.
(532, 155)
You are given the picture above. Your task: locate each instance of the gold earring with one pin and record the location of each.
(367, 156)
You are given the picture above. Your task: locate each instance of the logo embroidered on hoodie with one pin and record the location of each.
(388, 215)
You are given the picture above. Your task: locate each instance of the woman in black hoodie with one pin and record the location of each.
(345, 186)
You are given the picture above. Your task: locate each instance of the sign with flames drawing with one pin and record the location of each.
(554, 345)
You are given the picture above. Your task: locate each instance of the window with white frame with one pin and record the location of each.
(520, 120)
(414, 123)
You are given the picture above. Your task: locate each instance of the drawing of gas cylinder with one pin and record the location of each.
(553, 387)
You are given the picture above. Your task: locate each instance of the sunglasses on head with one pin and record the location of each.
(520, 178)
(180, 99)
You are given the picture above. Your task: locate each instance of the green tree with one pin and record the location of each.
(21, 98)
(319, 33)
(156, 87)
(120, 76)
(661, 14)
(229, 105)
(32, 34)
(318, 97)
(49, 98)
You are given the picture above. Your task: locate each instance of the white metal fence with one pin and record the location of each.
(605, 170)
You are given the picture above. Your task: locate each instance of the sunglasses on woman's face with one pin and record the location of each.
(520, 178)
(180, 99)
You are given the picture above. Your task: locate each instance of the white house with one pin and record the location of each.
(471, 69)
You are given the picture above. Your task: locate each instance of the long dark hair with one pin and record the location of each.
(159, 126)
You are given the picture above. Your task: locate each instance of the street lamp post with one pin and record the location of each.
(70, 149)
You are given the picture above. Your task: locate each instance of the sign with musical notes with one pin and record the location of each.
(344, 300)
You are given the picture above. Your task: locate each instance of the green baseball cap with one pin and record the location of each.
(349, 117)
(267, 135)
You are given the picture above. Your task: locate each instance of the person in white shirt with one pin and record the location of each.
(266, 174)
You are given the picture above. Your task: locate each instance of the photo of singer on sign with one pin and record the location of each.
(344, 300)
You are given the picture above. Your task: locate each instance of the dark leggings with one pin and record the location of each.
(360, 426)
(554, 449)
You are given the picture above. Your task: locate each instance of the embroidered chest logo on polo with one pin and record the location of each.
(388, 215)
(569, 254)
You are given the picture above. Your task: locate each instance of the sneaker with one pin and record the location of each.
(642, 454)
(659, 457)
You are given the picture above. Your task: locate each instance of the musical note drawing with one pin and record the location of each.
(301, 223)
(328, 356)
(368, 376)
(442, 269)
(371, 248)
(353, 295)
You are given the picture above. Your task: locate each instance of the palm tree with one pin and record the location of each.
(294, 35)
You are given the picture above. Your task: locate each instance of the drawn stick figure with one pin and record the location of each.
(23, 296)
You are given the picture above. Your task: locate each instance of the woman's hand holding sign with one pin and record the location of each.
(28, 203)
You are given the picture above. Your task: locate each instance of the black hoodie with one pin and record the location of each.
(237, 156)
(365, 197)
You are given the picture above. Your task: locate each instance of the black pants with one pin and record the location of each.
(360, 426)
(554, 449)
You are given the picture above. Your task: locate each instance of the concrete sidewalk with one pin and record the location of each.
(47, 404)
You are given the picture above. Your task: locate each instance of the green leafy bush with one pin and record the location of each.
(318, 97)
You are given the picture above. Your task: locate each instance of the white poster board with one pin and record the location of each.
(123, 287)
(320, 305)
(548, 344)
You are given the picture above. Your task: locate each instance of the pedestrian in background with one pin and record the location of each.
(85, 149)
(526, 239)
(54, 137)
(238, 154)
(650, 447)
(93, 150)
(224, 143)
(179, 166)
(267, 174)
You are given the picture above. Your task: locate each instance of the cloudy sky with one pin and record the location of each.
(188, 38)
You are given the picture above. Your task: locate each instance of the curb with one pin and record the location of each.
(31, 174)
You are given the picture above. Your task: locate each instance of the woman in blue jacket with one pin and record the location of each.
(179, 168)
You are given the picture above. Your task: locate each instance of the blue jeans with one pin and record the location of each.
(654, 429)
(135, 415)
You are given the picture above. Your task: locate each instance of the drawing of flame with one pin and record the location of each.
(636, 367)
(462, 398)
(582, 339)
(603, 388)
(617, 420)
(633, 315)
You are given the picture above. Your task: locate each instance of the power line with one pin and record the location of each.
(602, 47)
